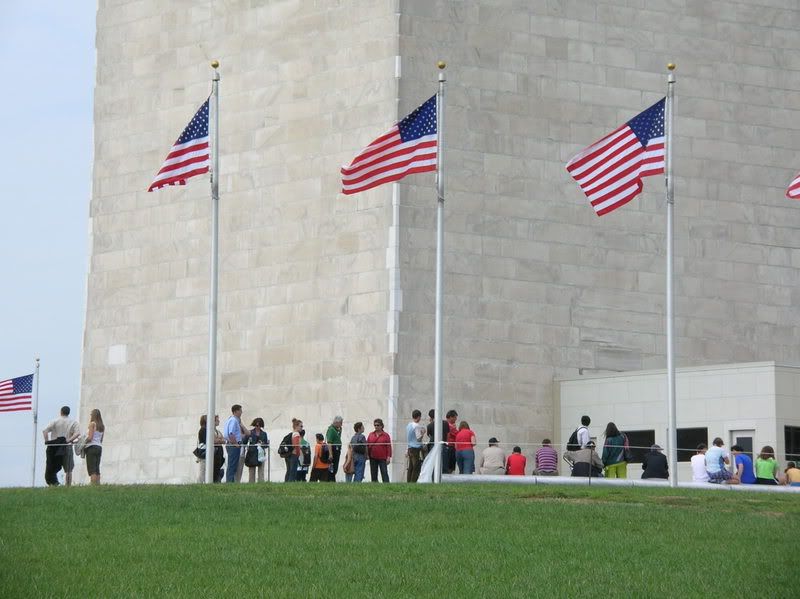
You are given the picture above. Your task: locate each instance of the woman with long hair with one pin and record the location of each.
(218, 452)
(465, 448)
(94, 445)
(766, 467)
(614, 453)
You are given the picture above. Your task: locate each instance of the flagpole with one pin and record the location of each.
(213, 123)
(437, 371)
(35, 419)
(673, 433)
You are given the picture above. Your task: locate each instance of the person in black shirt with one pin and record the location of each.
(654, 464)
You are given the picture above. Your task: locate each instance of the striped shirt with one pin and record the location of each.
(546, 459)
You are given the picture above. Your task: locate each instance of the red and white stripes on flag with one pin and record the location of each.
(793, 191)
(610, 171)
(190, 154)
(15, 394)
(408, 147)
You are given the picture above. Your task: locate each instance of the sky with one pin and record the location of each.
(46, 166)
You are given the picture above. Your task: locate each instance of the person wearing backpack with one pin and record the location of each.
(289, 450)
(322, 459)
(580, 437)
(614, 453)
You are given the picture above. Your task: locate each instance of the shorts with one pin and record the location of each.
(93, 453)
(720, 476)
(68, 460)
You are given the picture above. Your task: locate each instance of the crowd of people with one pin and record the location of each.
(711, 465)
(237, 446)
(320, 462)
(62, 439)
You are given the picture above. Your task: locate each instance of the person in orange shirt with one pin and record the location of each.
(516, 463)
(319, 470)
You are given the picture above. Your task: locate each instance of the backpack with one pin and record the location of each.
(286, 448)
(325, 454)
(305, 457)
(572, 443)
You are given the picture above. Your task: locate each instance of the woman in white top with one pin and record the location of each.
(94, 445)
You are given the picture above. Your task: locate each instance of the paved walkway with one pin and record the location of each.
(610, 482)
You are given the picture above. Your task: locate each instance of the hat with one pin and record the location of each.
(590, 444)
(655, 447)
(492, 440)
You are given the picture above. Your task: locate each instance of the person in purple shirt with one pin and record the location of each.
(546, 459)
(744, 466)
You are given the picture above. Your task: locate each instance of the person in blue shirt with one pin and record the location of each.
(233, 438)
(744, 466)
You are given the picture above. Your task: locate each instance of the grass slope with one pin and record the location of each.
(395, 541)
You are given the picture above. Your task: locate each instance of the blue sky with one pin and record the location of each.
(48, 74)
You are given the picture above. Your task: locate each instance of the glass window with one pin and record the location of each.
(688, 440)
(792, 437)
(640, 442)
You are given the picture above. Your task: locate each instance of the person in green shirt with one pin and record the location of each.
(766, 467)
(334, 439)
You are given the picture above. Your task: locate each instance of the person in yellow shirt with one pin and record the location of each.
(791, 475)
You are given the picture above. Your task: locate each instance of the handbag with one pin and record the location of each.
(262, 455)
(627, 454)
(200, 451)
(251, 457)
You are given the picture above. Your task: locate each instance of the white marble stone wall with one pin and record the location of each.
(326, 302)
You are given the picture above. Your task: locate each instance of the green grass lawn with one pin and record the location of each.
(377, 541)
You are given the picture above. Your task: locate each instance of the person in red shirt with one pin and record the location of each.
(465, 449)
(516, 462)
(379, 451)
(449, 464)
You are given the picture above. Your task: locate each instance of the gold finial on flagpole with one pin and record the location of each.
(671, 66)
(441, 64)
(214, 64)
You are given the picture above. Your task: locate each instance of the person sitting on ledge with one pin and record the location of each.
(585, 462)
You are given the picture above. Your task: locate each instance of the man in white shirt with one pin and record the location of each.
(699, 472)
(583, 432)
(57, 436)
(415, 431)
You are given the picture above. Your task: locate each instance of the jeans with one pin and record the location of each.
(466, 461)
(414, 464)
(359, 462)
(233, 463)
(292, 462)
(373, 468)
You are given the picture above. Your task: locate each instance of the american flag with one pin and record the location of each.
(610, 171)
(189, 155)
(408, 147)
(15, 394)
(793, 191)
